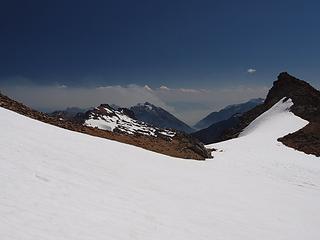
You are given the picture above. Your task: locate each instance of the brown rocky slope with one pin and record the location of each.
(306, 101)
(181, 146)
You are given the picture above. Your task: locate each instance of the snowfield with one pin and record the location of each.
(57, 184)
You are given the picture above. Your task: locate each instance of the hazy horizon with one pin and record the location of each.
(189, 105)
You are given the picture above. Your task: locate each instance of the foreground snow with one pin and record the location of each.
(58, 184)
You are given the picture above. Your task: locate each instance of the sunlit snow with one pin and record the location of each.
(58, 184)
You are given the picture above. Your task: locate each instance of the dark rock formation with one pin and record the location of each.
(306, 100)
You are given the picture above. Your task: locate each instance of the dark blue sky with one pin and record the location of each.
(175, 43)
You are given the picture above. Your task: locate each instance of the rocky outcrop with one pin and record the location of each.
(306, 139)
(306, 100)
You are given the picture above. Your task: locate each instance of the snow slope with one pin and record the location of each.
(58, 184)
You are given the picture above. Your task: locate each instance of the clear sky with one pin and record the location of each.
(208, 45)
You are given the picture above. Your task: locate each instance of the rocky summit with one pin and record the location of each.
(306, 104)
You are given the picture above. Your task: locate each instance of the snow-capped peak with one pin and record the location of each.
(123, 120)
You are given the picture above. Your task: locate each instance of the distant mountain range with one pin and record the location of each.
(122, 120)
(69, 113)
(159, 117)
(143, 112)
(227, 112)
(212, 134)
(226, 118)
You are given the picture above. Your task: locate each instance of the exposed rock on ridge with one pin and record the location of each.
(306, 101)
